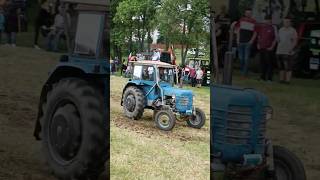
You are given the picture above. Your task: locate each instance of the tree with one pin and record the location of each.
(183, 22)
(132, 22)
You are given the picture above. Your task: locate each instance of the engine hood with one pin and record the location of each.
(172, 91)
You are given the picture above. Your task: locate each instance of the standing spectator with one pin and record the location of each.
(57, 30)
(199, 76)
(123, 66)
(156, 55)
(193, 76)
(2, 23)
(129, 70)
(266, 43)
(43, 21)
(11, 25)
(186, 73)
(113, 67)
(246, 35)
(287, 42)
(180, 75)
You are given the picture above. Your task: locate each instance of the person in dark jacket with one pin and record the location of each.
(11, 25)
(43, 21)
(266, 43)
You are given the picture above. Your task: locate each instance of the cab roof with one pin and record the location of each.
(157, 63)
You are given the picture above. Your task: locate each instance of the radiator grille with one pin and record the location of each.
(184, 101)
(239, 125)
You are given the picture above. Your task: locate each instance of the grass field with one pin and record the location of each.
(138, 149)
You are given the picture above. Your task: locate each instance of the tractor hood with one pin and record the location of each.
(172, 91)
(183, 98)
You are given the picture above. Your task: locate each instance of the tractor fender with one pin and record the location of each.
(65, 71)
(130, 83)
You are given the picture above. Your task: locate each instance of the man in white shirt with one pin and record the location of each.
(287, 42)
(156, 56)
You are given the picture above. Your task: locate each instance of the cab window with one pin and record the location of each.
(88, 32)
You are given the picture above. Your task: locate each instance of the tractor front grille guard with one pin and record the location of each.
(184, 101)
(238, 128)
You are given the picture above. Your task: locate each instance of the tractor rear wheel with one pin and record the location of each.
(287, 165)
(74, 134)
(165, 120)
(197, 120)
(133, 102)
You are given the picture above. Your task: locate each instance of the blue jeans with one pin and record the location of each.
(11, 38)
(53, 39)
(244, 50)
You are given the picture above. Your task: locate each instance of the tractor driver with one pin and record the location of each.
(161, 74)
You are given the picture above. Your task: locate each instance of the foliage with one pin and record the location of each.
(179, 22)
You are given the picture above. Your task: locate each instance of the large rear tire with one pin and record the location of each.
(287, 165)
(133, 102)
(74, 135)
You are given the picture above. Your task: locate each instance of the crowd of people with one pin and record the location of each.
(189, 74)
(270, 41)
(11, 19)
(48, 23)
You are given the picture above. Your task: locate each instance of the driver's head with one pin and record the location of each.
(161, 70)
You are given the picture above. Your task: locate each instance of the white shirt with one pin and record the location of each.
(287, 36)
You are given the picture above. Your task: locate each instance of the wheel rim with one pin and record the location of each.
(282, 171)
(164, 120)
(195, 119)
(130, 103)
(65, 133)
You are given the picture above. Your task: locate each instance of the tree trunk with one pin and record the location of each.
(182, 43)
(149, 40)
(182, 55)
(130, 42)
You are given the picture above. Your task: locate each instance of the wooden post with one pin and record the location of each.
(214, 52)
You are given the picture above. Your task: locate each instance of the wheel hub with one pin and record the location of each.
(130, 103)
(65, 133)
(195, 119)
(164, 120)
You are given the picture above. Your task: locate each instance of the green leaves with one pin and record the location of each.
(178, 21)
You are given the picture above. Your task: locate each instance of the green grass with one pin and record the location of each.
(140, 151)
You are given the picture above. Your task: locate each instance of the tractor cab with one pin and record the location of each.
(86, 34)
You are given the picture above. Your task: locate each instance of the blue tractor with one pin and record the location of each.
(72, 120)
(152, 87)
(239, 117)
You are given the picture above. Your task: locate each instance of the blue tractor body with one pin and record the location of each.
(152, 87)
(183, 98)
(238, 119)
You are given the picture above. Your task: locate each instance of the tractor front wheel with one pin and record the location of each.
(133, 102)
(287, 165)
(165, 120)
(197, 120)
(74, 134)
